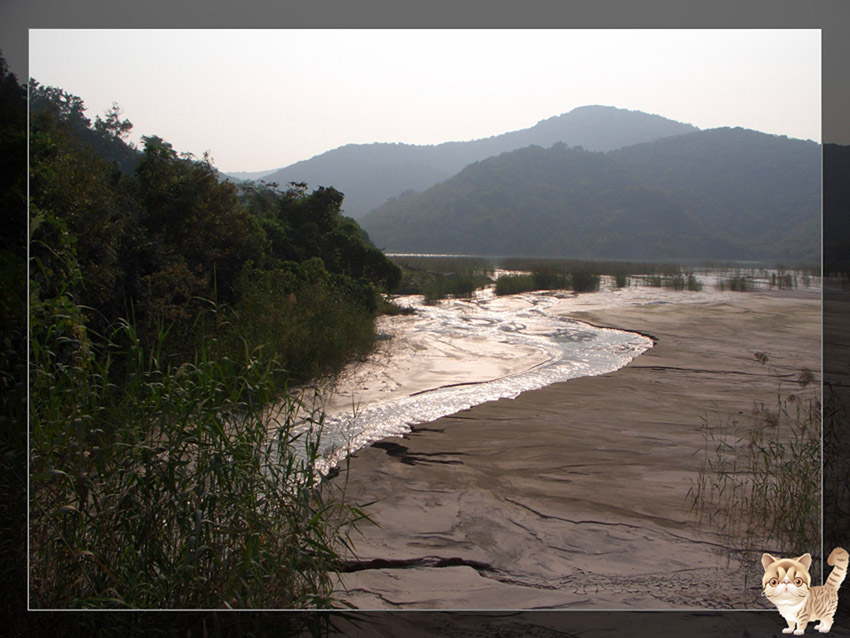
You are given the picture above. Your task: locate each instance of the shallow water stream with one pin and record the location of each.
(459, 353)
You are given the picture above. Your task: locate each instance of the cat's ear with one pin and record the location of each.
(806, 560)
(767, 560)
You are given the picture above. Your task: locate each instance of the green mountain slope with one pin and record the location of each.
(717, 194)
(370, 174)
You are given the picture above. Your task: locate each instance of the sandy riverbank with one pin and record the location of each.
(574, 495)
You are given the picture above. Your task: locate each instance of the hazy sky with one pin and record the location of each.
(263, 99)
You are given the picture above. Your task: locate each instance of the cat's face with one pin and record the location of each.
(786, 581)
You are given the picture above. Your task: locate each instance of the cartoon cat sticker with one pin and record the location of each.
(787, 584)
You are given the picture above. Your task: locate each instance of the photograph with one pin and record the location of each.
(422, 331)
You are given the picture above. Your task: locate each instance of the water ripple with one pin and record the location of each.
(572, 349)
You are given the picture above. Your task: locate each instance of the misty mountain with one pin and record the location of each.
(714, 194)
(241, 176)
(370, 174)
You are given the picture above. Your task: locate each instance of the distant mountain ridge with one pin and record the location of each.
(722, 193)
(370, 174)
(250, 175)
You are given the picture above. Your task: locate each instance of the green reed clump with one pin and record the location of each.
(544, 279)
(682, 281)
(438, 278)
(174, 486)
(515, 284)
(308, 320)
(736, 283)
(584, 280)
(694, 284)
(435, 287)
(622, 278)
(784, 281)
(673, 281)
(458, 285)
(548, 278)
(759, 479)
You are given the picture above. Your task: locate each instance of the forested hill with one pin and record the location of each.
(156, 237)
(714, 194)
(370, 174)
(169, 312)
(106, 136)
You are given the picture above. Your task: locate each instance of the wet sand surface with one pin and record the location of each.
(575, 495)
(410, 363)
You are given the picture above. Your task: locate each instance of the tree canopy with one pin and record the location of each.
(161, 241)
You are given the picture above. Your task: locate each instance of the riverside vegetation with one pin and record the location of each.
(759, 479)
(169, 310)
(440, 276)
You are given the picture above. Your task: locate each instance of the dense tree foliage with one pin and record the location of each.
(717, 194)
(159, 243)
(169, 309)
(106, 135)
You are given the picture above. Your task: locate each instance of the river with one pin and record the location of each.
(458, 353)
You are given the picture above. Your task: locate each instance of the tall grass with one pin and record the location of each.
(787, 281)
(579, 280)
(583, 280)
(622, 278)
(460, 285)
(309, 326)
(673, 281)
(617, 269)
(437, 278)
(162, 486)
(736, 283)
(515, 284)
(759, 478)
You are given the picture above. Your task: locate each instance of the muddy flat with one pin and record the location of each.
(575, 495)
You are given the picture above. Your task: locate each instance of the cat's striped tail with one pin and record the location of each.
(838, 559)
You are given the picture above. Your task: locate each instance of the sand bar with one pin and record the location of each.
(574, 495)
